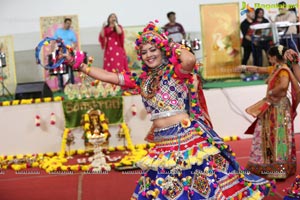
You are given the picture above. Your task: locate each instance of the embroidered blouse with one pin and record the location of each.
(165, 93)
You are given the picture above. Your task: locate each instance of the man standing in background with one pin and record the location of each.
(67, 34)
(69, 39)
(175, 30)
(286, 15)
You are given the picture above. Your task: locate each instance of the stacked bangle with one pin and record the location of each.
(244, 68)
(121, 79)
(88, 69)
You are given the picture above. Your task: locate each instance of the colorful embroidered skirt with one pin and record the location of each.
(273, 151)
(293, 192)
(190, 161)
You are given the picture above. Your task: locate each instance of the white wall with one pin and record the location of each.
(226, 108)
(21, 18)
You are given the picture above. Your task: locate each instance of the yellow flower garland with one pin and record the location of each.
(52, 161)
(45, 160)
(64, 143)
(127, 137)
(30, 101)
(136, 153)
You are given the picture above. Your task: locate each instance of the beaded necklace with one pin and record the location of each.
(151, 82)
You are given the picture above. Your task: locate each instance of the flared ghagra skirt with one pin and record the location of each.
(190, 161)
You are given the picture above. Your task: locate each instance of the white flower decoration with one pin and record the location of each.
(280, 48)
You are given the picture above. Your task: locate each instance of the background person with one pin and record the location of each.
(175, 30)
(111, 39)
(69, 39)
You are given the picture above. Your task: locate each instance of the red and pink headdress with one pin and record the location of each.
(153, 34)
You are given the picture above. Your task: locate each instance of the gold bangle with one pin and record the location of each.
(88, 69)
(244, 68)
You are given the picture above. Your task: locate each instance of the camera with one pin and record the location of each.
(2, 59)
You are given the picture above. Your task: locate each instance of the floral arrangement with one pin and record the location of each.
(53, 162)
(101, 121)
(135, 153)
(95, 89)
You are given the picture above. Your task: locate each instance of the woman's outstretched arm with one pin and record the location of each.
(100, 74)
(253, 69)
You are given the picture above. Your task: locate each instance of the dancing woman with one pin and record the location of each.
(189, 160)
(273, 152)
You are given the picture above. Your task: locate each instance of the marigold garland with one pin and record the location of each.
(50, 159)
(54, 161)
(31, 101)
(127, 137)
(64, 143)
(136, 153)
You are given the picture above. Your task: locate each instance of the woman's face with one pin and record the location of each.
(151, 55)
(112, 19)
(260, 14)
(272, 60)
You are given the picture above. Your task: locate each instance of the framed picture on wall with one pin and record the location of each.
(7, 66)
(221, 40)
(131, 33)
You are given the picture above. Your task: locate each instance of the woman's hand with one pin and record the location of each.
(273, 99)
(240, 68)
(69, 58)
(79, 59)
(74, 59)
(291, 55)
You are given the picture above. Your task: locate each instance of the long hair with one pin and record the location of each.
(107, 25)
(257, 10)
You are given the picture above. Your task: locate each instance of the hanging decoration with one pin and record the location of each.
(37, 120)
(52, 119)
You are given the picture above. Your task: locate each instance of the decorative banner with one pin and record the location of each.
(270, 7)
(48, 27)
(131, 33)
(8, 73)
(112, 107)
(221, 42)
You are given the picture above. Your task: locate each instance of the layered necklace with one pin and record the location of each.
(150, 84)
